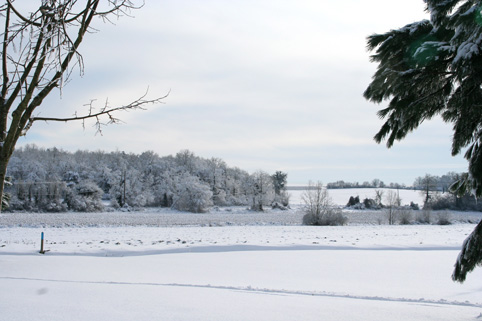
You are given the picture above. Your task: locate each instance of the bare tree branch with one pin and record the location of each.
(25, 20)
(139, 103)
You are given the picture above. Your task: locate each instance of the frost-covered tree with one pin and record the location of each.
(280, 180)
(85, 197)
(260, 190)
(236, 192)
(213, 172)
(192, 195)
(429, 68)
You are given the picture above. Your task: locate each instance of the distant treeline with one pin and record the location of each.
(56, 180)
(431, 182)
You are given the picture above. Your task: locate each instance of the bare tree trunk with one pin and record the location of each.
(3, 174)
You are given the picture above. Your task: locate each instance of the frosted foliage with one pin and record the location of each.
(192, 195)
(260, 190)
(413, 27)
(127, 180)
(467, 50)
(470, 256)
(85, 197)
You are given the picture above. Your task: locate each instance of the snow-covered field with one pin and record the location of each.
(230, 265)
(341, 196)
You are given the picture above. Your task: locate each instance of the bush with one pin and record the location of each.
(281, 201)
(404, 216)
(85, 197)
(424, 217)
(370, 203)
(329, 217)
(193, 196)
(414, 206)
(319, 209)
(443, 218)
(448, 201)
(353, 201)
(441, 202)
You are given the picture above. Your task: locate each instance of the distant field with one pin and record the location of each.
(341, 196)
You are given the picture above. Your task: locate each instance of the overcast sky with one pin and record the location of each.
(264, 85)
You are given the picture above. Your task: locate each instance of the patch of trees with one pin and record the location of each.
(375, 183)
(439, 193)
(54, 180)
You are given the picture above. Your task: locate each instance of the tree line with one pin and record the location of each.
(55, 180)
(431, 182)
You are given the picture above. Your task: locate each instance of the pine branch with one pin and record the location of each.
(470, 256)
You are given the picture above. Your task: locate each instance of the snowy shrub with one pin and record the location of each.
(85, 197)
(234, 200)
(353, 201)
(141, 199)
(443, 218)
(260, 190)
(281, 201)
(56, 207)
(448, 201)
(414, 206)
(192, 195)
(441, 202)
(38, 196)
(16, 204)
(283, 198)
(318, 207)
(167, 199)
(114, 203)
(404, 216)
(219, 198)
(370, 203)
(424, 217)
(329, 217)
(278, 206)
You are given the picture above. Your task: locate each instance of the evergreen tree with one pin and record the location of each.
(280, 180)
(429, 68)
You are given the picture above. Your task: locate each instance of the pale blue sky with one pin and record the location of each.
(264, 85)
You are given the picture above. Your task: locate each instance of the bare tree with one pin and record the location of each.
(260, 190)
(427, 184)
(378, 196)
(319, 208)
(40, 50)
(392, 203)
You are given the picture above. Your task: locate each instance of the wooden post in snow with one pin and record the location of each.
(42, 244)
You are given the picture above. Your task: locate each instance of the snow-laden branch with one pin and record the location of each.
(470, 256)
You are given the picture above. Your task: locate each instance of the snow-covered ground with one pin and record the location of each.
(342, 195)
(229, 265)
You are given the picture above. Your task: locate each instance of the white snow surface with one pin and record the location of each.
(207, 267)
